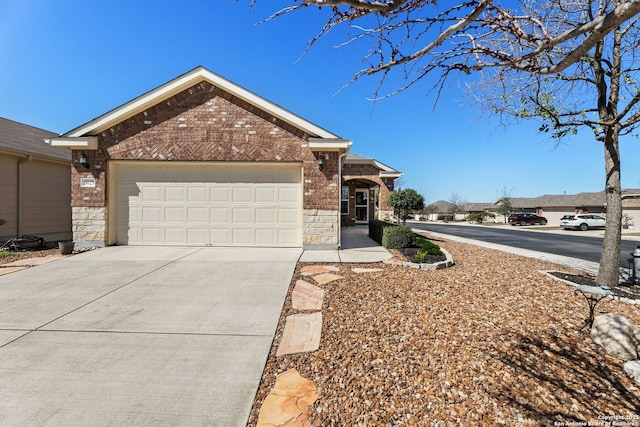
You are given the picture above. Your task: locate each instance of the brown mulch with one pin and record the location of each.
(491, 341)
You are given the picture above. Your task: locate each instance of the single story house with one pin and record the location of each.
(553, 207)
(203, 161)
(35, 184)
(366, 187)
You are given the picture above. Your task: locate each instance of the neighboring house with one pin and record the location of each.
(366, 187)
(35, 184)
(445, 209)
(553, 207)
(203, 161)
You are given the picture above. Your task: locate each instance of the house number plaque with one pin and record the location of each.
(87, 182)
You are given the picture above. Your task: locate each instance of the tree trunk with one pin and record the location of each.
(608, 273)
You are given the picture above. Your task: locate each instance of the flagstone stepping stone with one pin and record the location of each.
(288, 401)
(366, 270)
(310, 270)
(301, 334)
(326, 278)
(306, 296)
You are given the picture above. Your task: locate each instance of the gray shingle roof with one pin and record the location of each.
(442, 206)
(559, 200)
(355, 158)
(28, 140)
(570, 201)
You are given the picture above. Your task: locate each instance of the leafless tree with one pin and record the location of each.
(569, 63)
(457, 203)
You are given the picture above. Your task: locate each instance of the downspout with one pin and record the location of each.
(342, 156)
(20, 203)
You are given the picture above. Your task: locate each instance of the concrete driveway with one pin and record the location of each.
(140, 336)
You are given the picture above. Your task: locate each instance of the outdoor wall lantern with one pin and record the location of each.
(83, 161)
(320, 161)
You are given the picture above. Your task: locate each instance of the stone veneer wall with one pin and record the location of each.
(320, 229)
(89, 225)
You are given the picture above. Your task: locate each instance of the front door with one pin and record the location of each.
(362, 206)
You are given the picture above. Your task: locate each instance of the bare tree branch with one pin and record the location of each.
(371, 6)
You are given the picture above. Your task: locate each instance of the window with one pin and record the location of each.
(344, 201)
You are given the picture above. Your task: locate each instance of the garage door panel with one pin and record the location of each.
(241, 236)
(220, 215)
(266, 237)
(220, 205)
(152, 235)
(174, 214)
(242, 195)
(265, 216)
(197, 236)
(220, 236)
(151, 214)
(242, 215)
(196, 194)
(197, 215)
(220, 193)
(266, 195)
(174, 235)
(152, 193)
(175, 194)
(288, 194)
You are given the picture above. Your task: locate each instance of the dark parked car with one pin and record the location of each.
(526, 218)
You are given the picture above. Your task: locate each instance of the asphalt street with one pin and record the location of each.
(568, 243)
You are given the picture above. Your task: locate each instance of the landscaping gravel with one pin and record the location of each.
(490, 341)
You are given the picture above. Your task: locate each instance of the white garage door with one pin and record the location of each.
(209, 204)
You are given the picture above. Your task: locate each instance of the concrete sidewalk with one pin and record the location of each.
(356, 247)
(140, 336)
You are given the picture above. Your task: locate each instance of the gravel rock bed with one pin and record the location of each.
(17, 256)
(491, 341)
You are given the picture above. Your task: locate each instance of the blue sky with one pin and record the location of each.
(66, 62)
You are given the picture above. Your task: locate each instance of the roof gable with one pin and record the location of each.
(385, 171)
(182, 83)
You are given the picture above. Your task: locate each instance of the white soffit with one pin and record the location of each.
(183, 82)
(329, 144)
(87, 142)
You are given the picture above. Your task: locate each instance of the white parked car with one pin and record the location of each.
(582, 221)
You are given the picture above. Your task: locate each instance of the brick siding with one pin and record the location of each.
(369, 174)
(205, 123)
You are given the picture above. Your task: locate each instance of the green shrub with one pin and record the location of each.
(396, 237)
(479, 217)
(431, 248)
(376, 228)
(428, 247)
(446, 218)
(421, 256)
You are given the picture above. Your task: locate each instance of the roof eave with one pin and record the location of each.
(391, 174)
